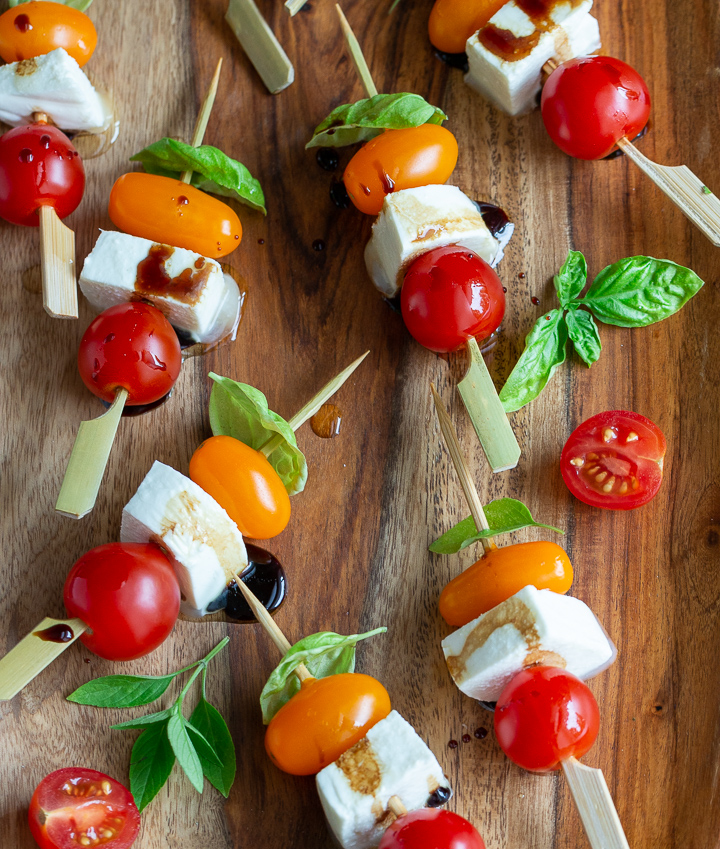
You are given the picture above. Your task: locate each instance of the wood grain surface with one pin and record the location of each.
(356, 547)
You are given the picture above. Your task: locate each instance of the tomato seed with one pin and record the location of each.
(592, 456)
(577, 461)
(609, 434)
(632, 437)
(107, 832)
(623, 488)
(601, 477)
(609, 485)
(107, 788)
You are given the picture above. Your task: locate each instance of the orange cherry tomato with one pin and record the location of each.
(173, 213)
(399, 159)
(33, 29)
(501, 573)
(452, 22)
(242, 481)
(326, 718)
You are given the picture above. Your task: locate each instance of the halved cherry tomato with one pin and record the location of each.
(500, 574)
(130, 346)
(614, 460)
(399, 159)
(325, 718)
(33, 29)
(429, 828)
(76, 807)
(544, 716)
(588, 104)
(128, 596)
(242, 481)
(38, 166)
(173, 213)
(452, 22)
(450, 294)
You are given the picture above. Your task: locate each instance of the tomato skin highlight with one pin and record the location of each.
(128, 596)
(614, 460)
(399, 159)
(448, 295)
(431, 828)
(171, 212)
(244, 484)
(325, 718)
(452, 22)
(501, 573)
(44, 27)
(38, 166)
(544, 716)
(589, 104)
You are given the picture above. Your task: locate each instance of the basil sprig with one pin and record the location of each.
(213, 171)
(633, 292)
(80, 5)
(202, 745)
(324, 654)
(503, 515)
(357, 122)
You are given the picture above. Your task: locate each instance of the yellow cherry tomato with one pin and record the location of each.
(501, 573)
(452, 22)
(242, 481)
(399, 159)
(325, 718)
(173, 213)
(33, 29)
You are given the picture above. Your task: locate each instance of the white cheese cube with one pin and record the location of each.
(532, 627)
(392, 760)
(190, 294)
(53, 84)
(513, 85)
(202, 542)
(413, 221)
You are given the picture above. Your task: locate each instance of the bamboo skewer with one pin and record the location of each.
(595, 805)
(356, 54)
(260, 44)
(204, 116)
(294, 6)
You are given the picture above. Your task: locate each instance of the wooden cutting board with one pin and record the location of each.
(356, 547)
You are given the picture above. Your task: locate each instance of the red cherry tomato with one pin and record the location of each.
(76, 807)
(132, 346)
(614, 460)
(128, 596)
(38, 166)
(33, 29)
(450, 294)
(544, 716)
(588, 104)
(429, 828)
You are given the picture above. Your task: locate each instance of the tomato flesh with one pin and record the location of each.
(589, 104)
(614, 460)
(544, 716)
(33, 29)
(429, 828)
(76, 807)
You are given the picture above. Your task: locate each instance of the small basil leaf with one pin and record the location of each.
(544, 352)
(80, 5)
(571, 278)
(204, 750)
(240, 410)
(584, 335)
(184, 749)
(640, 290)
(356, 122)
(208, 721)
(121, 691)
(504, 515)
(213, 171)
(143, 721)
(323, 654)
(151, 762)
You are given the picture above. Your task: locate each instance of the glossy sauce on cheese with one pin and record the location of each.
(512, 48)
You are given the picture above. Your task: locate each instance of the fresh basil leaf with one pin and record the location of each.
(324, 654)
(544, 352)
(209, 722)
(213, 171)
(357, 122)
(640, 290)
(184, 749)
(571, 278)
(143, 721)
(584, 335)
(151, 762)
(240, 410)
(80, 5)
(504, 515)
(121, 691)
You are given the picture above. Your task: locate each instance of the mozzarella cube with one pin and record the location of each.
(202, 542)
(53, 84)
(392, 760)
(532, 627)
(413, 221)
(513, 85)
